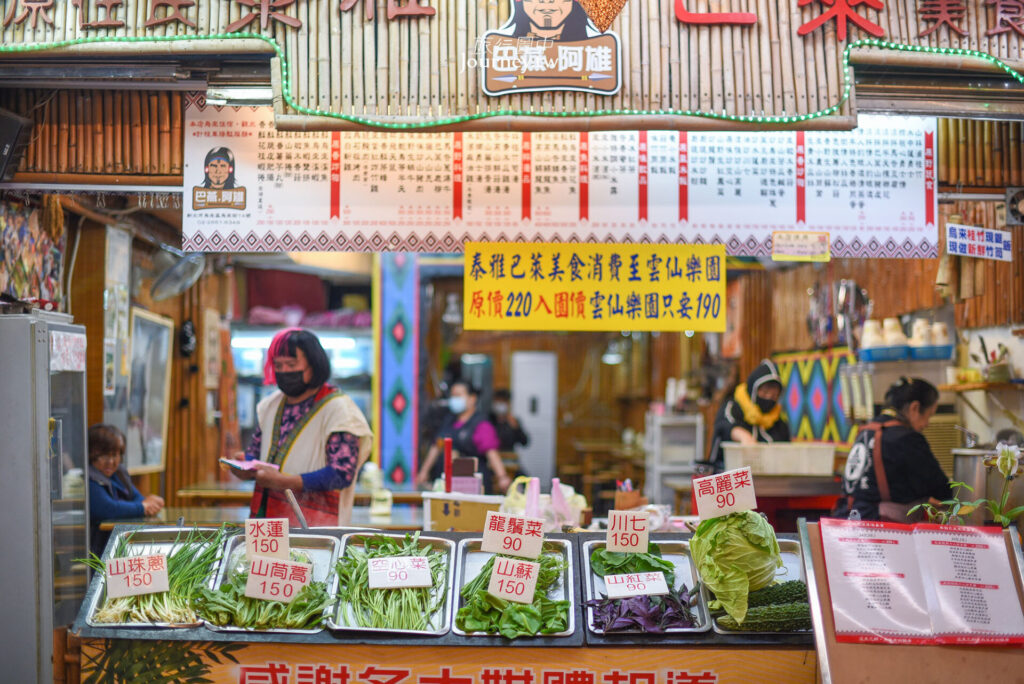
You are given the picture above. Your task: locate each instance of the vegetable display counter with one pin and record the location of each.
(443, 648)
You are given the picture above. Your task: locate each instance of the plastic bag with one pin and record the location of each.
(563, 507)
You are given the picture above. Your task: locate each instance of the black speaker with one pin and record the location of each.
(14, 135)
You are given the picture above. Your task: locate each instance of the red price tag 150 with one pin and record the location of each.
(136, 575)
(627, 531)
(728, 492)
(273, 579)
(637, 584)
(514, 580)
(513, 535)
(266, 537)
(400, 572)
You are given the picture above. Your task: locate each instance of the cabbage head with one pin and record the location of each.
(735, 555)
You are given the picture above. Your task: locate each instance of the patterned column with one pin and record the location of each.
(396, 298)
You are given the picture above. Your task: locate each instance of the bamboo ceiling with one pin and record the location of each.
(356, 69)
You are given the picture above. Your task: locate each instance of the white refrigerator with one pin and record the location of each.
(43, 486)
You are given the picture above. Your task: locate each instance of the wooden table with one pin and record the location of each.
(403, 517)
(598, 454)
(235, 492)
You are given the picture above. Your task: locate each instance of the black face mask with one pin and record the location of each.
(291, 383)
(765, 405)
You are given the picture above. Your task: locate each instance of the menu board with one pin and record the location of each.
(249, 187)
(920, 584)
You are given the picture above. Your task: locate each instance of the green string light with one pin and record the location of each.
(447, 121)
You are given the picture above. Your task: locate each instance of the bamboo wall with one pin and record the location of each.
(980, 154)
(991, 293)
(92, 134)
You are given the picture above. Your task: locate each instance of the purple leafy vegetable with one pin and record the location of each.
(652, 614)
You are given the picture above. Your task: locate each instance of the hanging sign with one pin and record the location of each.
(532, 286)
(978, 242)
(872, 190)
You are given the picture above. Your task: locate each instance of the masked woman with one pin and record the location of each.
(891, 467)
(314, 433)
(753, 413)
(472, 435)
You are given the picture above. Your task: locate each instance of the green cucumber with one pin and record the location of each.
(786, 617)
(793, 591)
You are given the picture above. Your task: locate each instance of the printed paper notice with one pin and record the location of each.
(800, 245)
(972, 596)
(875, 582)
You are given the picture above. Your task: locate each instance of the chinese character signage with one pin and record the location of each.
(560, 286)
(136, 575)
(728, 492)
(980, 243)
(513, 535)
(549, 45)
(249, 187)
(800, 245)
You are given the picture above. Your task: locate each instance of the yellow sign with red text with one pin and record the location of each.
(565, 286)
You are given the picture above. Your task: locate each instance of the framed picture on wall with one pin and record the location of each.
(149, 391)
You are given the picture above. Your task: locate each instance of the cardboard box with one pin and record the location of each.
(457, 512)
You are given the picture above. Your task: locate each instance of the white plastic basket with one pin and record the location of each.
(783, 458)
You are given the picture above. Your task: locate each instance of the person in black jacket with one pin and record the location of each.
(913, 474)
(752, 414)
(510, 430)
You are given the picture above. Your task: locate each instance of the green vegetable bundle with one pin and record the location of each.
(783, 617)
(735, 554)
(229, 606)
(604, 562)
(404, 609)
(491, 615)
(190, 562)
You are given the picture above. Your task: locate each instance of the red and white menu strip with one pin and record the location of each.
(972, 597)
(875, 583)
(584, 176)
(801, 178)
(929, 179)
(684, 178)
(641, 168)
(457, 178)
(527, 174)
(336, 174)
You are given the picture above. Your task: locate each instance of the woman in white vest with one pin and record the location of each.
(314, 433)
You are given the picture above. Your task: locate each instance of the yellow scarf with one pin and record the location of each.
(751, 413)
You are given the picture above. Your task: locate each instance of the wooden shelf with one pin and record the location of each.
(983, 386)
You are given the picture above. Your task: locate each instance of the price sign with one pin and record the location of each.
(400, 572)
(728, 492)
(266, 537)
(136, 575)
(273, 579)
(638, 584)
(514, 580)
(513, 535)
(627, 531)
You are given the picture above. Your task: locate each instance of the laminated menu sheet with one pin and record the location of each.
(920, 584)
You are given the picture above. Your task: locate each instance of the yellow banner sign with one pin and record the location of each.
(562, 286)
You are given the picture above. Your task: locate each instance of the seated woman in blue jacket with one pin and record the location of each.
(112, 495)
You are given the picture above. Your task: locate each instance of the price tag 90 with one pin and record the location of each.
(400, 572)
(513, 535)
(273, 579)
(638, 584)
(514, 580)
(136, 575)
(728, 492)
(266, 537)
(627, 531)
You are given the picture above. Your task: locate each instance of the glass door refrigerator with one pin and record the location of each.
(43, 486)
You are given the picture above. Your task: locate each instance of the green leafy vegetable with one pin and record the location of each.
(735, 554)
(482, 612)
(406, 609)
(229, 605)
(604, 562)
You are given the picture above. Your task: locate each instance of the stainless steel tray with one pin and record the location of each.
(675, 552)
(440, 621)
(322, 550)
(793, 568)
(471, 561)
(145, 541)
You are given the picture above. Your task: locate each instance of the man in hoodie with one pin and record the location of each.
(752, 414)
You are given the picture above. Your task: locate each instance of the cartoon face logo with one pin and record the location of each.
(547, 14)
(219, 167)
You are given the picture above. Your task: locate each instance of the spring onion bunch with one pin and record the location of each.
(399, 609)
(190, 562)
